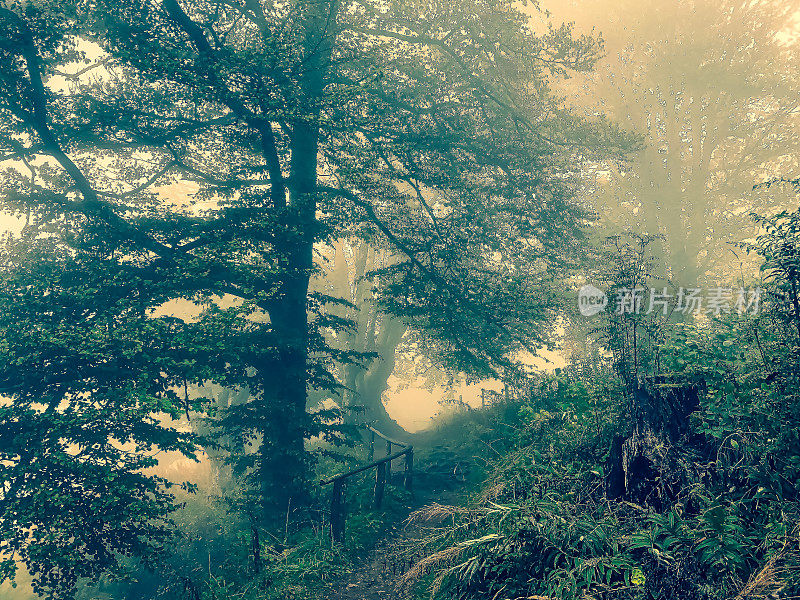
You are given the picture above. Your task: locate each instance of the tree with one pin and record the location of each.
(712, 88)
(91, 382)
(430, 128)
(374, 333)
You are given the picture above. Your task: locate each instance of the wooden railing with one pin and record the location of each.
(383, 471)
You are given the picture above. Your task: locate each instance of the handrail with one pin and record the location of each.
(338, 509)
(387, 438)
(366, 467)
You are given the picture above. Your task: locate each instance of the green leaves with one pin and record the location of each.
(91, 387)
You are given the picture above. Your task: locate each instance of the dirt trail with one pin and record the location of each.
(376, 575)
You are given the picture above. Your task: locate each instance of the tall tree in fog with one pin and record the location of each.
(429, 128)
(712, 87)
(375, 333)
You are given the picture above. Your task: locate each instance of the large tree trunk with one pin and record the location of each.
(284, 462)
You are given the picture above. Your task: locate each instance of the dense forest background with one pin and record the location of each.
(240, 232)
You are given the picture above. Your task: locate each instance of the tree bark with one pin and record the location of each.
(284, 463)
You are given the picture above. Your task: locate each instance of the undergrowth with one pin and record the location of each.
(682, 484)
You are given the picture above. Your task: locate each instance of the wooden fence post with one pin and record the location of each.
(383, 473)
(380, 484)
(409, 469)
(337, 512)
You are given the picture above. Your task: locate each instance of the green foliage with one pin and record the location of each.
(91, 387)
(544, 525)
(204, 152)
(297, 572)
(557, 536)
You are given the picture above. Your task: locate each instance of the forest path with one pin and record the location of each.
(377, 574)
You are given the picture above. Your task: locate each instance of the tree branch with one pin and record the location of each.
(38, 121)
(264, 126)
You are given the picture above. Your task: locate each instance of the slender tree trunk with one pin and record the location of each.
(376, 380)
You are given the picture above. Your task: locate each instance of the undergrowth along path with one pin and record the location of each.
(376, 575)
